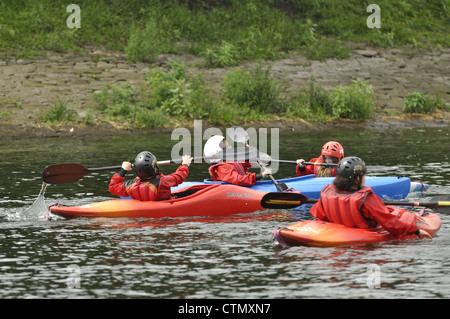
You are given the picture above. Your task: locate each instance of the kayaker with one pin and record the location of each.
(332, 152)
(150, 184)
(348, 202)
(234, 172)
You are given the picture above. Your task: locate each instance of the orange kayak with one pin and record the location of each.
(318, 233)
(198, 200)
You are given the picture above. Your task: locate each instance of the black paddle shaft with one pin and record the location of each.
(287, 200)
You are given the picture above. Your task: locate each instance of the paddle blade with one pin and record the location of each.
(442, 204)
(284, 200)
(281, 187)
(64, 173)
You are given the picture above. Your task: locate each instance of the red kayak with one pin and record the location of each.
(318, 233)
(197, 200)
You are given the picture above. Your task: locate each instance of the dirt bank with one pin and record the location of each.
(29, 88)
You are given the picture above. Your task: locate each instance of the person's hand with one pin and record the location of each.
(266, 172)
(126, 166)
(300, 162)
(187, 159)
(424, 234)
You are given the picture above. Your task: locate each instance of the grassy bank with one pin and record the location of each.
(224, 32)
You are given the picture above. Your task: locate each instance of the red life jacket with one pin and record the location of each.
(346, 208)
(146, 190)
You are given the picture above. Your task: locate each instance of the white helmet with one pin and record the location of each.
(213, 146)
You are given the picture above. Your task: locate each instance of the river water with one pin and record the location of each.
(207, 258)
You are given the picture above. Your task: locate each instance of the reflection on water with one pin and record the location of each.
(228, 257)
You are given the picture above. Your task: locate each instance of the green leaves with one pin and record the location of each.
(418, 102)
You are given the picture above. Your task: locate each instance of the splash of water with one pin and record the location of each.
(38, 210)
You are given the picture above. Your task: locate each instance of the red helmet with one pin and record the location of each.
(334, 149)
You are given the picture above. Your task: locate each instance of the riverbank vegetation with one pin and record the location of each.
(247, 95)
(170, 97)
(224, 33)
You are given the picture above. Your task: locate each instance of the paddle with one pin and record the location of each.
(285, 200)
(239, 135)
(281, 187)
(369, 168)
(72, 172)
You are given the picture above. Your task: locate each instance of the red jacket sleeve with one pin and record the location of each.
(227, 173)
(374, 208)
(116, 186)
(309, 169)
(174, 179)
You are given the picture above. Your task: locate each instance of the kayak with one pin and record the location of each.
(389, 187)
(317, 233)
(197, 200)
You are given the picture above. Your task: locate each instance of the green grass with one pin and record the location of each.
(60, 114)
(225, 32)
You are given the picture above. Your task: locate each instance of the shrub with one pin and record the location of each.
(353, 102)
(254, 89)
(175, 93)
(223, 56)
(418, 102)
(122, 104)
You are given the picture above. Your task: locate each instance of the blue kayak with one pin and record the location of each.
(310, 186)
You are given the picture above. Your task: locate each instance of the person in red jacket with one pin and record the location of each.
(332, 152)
(150, 184)
(348, 202)
(234, 172)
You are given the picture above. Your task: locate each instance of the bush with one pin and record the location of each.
(254, 89)
(175, 93)
(353, 102)
(223, 56)
(121, 104)
(417, 102)
(166, 94)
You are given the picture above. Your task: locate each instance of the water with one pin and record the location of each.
(207, 258)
